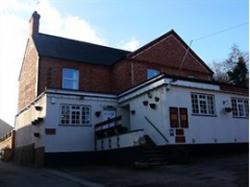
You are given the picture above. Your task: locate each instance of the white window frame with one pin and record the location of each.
(203, 104)
(237, 105)
(152, 71)
(74, 79)
(84, 117)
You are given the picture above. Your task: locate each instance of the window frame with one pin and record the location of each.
(155, 72)
(205, 100)
(75, 108)
(244, 103)
(74, 80)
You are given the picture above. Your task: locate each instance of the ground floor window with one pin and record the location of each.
(240, 107)
(203, 104)
(75, 114)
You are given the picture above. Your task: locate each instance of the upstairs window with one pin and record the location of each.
(152, 73)
(70, 79)
(202, 104)
(75, 115)
(240, 107)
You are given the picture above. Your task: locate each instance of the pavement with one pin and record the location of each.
(217, 171)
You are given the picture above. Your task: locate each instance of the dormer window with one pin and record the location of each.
(152, 73)
(70, 79)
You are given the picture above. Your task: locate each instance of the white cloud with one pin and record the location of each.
(15, 5)
(55, 23)
(131, 44)
(74, 27)
(13, 37)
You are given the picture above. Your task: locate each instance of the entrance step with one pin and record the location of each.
(151, 155)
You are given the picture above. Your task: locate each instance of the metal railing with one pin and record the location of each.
(110, 128)
(151, 123)
(108, 121)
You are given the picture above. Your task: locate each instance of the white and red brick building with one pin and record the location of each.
(78, 98)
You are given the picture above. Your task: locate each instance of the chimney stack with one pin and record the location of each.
(34, 23)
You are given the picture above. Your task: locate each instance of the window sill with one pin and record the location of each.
(75, 125)
(205, 115)
(70, 89)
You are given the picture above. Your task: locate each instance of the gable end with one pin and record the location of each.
(178, 38)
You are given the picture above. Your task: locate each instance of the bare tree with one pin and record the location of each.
(222, 69)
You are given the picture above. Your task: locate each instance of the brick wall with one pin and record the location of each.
(121, 76)
(8, 141)
(140, 71)
(164, 55)
(236, 89)
(28, 76)
(93, 78)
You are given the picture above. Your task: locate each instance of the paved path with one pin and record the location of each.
(12, 175)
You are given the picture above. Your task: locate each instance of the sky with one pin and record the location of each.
(121, 24)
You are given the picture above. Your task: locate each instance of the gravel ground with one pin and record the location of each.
(217, 171)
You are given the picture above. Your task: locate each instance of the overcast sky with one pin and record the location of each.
(122, 24)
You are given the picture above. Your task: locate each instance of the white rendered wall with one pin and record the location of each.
(155, 115)
(25, 130)
(205, 129)
(129, 139)
(72, 138)
(202, 129)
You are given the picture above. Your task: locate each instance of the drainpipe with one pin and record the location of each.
(132, 73)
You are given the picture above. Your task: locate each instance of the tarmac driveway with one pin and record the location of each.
(12, 175)
(217, 171)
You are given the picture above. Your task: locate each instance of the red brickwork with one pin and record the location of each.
(140, 71)
(121, 76)
(231, 88)
(164, 55)
(167, 54)
(28, 76)
(93, 78)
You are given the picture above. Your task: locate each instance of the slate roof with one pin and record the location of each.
(68, 49)
(4, 128)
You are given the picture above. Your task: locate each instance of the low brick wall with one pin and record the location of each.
(39, 157)
(7, 145)
(29, 155)
(24, 155)
(8, 141)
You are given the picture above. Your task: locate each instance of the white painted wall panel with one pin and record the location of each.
(203, 129)
(72, 138)
(25, 130)
(129, 139)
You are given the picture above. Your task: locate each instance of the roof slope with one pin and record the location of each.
(4, 128)
(63, 48)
